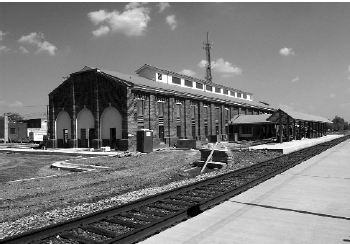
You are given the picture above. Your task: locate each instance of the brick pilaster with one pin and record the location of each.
(212, 130)
(146, 114)
(154, 119)
(172, 121)
(222, 119)
(201, 120)
(129, 124)
(188, 126)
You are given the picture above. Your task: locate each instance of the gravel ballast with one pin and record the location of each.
(35, 203)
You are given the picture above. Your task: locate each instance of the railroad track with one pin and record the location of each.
(139, 219)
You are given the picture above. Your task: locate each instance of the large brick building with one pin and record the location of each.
(95, 107)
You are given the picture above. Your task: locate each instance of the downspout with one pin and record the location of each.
(149, 112)
(169, 120)
(74, 117)
(97, 112)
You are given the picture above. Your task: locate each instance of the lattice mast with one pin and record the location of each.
(207, 47)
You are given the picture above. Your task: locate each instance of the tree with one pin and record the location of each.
(339, 123)
(14, 117)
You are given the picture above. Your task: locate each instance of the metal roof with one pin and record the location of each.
(164, 71)
(298, 116)
(251, 119)
(141, 83)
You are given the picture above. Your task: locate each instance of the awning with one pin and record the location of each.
(251, 119)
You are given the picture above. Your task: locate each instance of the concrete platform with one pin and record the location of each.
(309, 203)
(291, 146)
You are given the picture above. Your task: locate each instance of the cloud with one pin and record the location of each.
(2, 34)
(171, 20)
(103, 30)
(202, 63)
(16, 104)
(296, 79)
(223, 67)
(287, 51)
(132, 22)
(348, 71)
(188, 72)
(162, 6)
(332, 95)
(345, 105)
(4, 49)
(23, 50)
(38, 40)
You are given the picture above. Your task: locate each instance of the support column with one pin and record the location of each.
(309, 129)
(294, 130)
(288, 129)
(74, 119)
(280, 136)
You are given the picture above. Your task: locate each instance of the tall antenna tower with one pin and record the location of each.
(207, 47)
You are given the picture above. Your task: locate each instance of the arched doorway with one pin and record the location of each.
(63, 129)
(85, 128)
(111, 126)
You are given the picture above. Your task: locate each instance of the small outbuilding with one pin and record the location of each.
(251, 127)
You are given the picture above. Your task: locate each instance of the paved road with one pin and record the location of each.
(309, 203)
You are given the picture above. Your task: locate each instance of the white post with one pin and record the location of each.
(6, 128)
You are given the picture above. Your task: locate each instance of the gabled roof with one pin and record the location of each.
(164, 71)
(141, 83)
(297, 116)
(251, 119)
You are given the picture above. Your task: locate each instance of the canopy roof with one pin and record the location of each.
(251, 119)
(293, 115)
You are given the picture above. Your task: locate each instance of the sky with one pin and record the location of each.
(294, 55)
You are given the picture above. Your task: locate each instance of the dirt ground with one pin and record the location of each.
(25, 198)
(14, 166)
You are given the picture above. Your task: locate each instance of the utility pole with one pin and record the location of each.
(6, 128)
(207, 47)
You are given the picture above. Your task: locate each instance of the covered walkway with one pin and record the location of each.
(296, 125)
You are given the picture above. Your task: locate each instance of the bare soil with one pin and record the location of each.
(25, 198)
